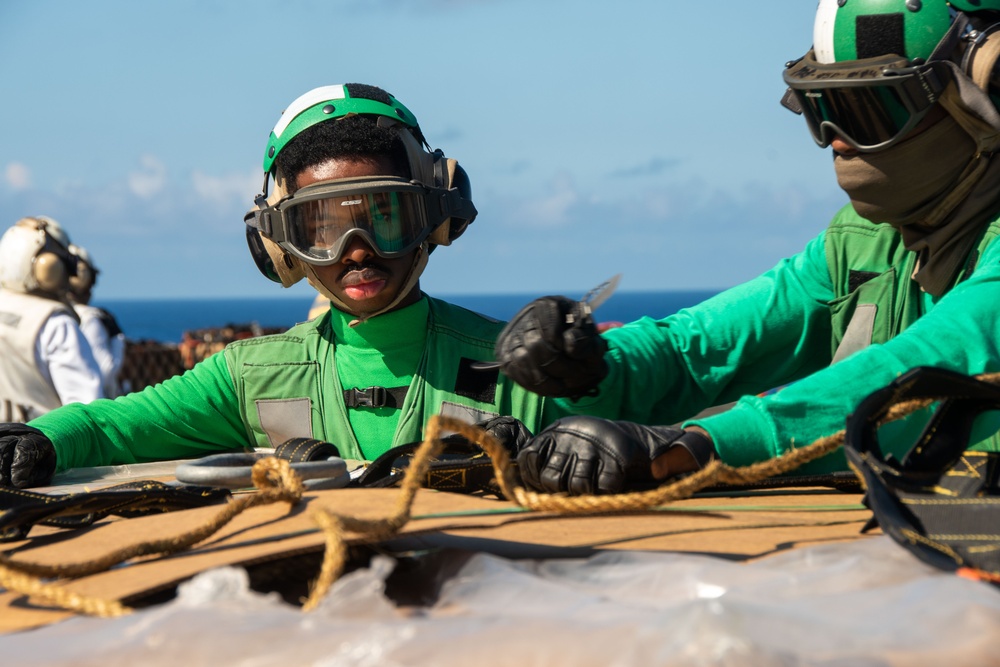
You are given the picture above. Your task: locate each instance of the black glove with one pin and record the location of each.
(461, 467)
(511, 433)
(585, 455)
(27, 457)
(552, 347)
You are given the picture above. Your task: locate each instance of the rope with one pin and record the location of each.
(58, 596)
(274, 478)
(334, 526)
(277, 482)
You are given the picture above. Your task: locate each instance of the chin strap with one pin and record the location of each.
(412, 278)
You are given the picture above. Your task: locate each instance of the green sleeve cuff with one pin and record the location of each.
(742, 434)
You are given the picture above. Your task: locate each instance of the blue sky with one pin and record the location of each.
(635, 137)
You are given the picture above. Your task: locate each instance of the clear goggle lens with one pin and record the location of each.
(317, 222)
(391, 222)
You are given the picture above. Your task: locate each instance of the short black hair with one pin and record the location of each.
(356, 137)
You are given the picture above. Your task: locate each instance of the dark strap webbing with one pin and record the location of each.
(940, 502)
(303, 450)
(21, 509)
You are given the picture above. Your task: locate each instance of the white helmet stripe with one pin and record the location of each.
(826, 16)
(303, 102)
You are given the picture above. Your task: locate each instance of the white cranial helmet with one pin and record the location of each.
(34, 257)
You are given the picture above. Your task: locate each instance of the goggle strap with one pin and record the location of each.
(421, 161)
(951, 38)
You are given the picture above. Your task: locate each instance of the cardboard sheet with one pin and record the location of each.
(742, 527)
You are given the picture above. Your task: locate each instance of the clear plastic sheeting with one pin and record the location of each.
(862, 603)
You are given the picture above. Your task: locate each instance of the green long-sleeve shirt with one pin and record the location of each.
(776, 330)
(260, 391)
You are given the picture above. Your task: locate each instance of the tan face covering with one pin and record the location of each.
(904, 184)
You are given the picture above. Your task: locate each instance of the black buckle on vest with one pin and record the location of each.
(375, 397)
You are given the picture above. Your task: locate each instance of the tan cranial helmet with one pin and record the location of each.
(35, 258)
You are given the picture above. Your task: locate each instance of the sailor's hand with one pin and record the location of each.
(587, 455)
(552, 347)
(27, 457)
(510, 431)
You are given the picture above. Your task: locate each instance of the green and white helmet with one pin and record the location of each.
(877, 67)
(859, 29)
(289, 233)
(328, 103)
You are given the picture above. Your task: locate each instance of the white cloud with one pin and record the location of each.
(551, 210)
(17, 176)
(149, 179)
(223, 191)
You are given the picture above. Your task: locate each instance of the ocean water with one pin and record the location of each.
(166, 320)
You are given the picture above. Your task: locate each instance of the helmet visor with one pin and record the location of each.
(318, 221)
(870, 105)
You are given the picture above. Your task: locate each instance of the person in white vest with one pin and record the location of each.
(45, 360)
(99, 326)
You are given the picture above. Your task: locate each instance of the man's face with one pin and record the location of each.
(361, 279)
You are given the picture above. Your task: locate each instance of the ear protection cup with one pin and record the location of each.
(449, 174)
(260, 256)
(53, 265)
(980, 60)
(49, 271)
(458, 178)
(84, 279)
(271, 260)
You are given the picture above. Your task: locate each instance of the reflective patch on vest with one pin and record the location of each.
(284, 418)
(479, 385)
(859, 332)
(465, 413)
(10, 319)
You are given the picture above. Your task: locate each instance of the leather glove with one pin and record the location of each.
(552, 347)
(510, 431)
(587, 455)
(27, 457)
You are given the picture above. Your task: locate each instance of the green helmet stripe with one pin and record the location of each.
(859, 29)
(329, 110)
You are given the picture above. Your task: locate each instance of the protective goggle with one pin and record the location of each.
(391, 214)
(871, 104)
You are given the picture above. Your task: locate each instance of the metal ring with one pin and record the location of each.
(232, 471)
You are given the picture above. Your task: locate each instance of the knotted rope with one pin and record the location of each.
(276, 482)
(274, 478)
(716, 472)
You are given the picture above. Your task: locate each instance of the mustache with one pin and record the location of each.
(367, 270)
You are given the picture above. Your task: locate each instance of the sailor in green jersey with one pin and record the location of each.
(357, 201)
(907, 275)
